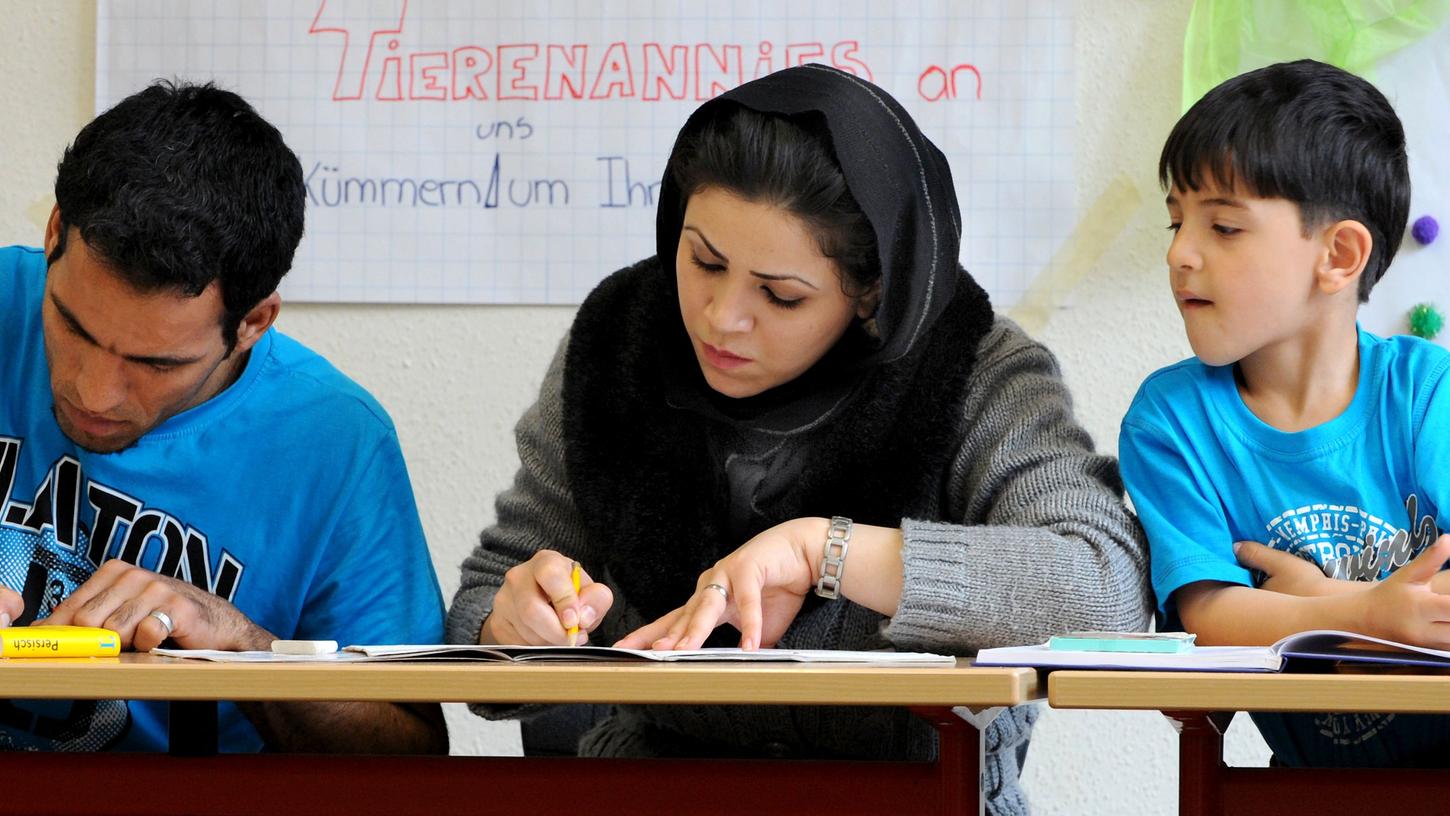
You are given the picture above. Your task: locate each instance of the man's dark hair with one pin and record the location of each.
(780, 161)
(180, 185)
(1304, 131)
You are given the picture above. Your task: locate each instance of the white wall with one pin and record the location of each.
(456, 378)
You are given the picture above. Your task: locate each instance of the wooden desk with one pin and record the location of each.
(1202, 703)
(184, 781)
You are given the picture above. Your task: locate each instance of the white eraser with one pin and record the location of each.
(304, 647)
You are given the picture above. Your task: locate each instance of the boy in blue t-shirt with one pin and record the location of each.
(1291, 475)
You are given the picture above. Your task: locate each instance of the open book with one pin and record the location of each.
(1319, 644)
(362, 654)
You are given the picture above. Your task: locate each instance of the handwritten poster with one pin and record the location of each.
(472, 152)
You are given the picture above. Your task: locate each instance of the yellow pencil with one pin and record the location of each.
(574, 630)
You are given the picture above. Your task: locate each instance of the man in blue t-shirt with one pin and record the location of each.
(1290, 476)
(172, 467)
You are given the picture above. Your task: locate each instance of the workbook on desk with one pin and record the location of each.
(1319, 644)
(518, 654)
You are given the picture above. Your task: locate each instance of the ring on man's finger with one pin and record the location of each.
(164, 619)
(724, 593)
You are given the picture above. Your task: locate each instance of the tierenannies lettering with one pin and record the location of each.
(120, 527)
(1350, 543)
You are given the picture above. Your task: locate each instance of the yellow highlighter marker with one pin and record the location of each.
(58, 641)
(574, 579)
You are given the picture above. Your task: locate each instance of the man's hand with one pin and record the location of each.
(11, 605)
(122, 596)
(537, 605)
(1290, 574)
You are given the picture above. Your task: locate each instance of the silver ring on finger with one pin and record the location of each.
(163, 619)
(724, 593)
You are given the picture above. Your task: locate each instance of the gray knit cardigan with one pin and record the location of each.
(1032, 539)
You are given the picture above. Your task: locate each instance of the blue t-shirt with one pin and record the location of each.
(1359, 495)
(285, 494)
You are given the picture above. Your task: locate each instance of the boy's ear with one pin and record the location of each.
(1347, 247)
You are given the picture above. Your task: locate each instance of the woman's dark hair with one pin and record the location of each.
(1308, 132)
(786, 163)
(181, 185)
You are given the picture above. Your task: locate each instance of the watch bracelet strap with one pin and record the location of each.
(833, 561)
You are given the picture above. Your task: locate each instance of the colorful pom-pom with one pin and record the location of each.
(1425, 229)
(1426, 321)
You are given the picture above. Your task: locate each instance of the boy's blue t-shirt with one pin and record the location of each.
(1359, 495)
(285, 494)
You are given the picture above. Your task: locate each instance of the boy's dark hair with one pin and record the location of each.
(1308, 132)
(180, 185)
(776, 160)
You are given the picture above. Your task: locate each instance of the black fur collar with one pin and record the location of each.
(640, 472)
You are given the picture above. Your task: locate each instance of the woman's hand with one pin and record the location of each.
(537, 605)
(758, 589)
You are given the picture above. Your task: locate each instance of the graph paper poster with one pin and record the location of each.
(470, 152)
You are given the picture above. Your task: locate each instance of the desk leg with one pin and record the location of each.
(1200, 762)
(960, 755)
(192, 727)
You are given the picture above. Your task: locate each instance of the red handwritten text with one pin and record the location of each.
(376, 64)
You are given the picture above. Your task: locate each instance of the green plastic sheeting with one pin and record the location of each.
(1228, 37)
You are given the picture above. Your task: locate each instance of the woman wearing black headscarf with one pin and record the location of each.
(804, 349)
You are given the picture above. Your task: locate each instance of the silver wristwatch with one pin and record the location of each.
(833, 564)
